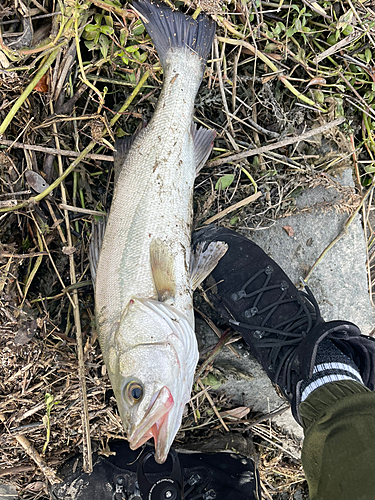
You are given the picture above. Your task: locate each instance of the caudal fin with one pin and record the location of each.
(172, 30)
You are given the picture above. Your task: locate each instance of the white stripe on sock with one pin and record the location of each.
(321, 381)
(339, 367)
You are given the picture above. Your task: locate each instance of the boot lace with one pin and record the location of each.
(279, 341)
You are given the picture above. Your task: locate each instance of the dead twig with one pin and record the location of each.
(230, 209)
(34, 455)
(201, 385)
(86, 441)
(53, 151)
(79, 210)
(277, 145)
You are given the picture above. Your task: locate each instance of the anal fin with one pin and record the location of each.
(204, 260)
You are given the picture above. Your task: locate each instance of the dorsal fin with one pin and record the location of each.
(97, 235)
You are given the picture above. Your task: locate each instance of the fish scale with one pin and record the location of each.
(153, 198)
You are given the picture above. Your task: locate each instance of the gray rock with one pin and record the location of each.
(8, 492)
(339, 282)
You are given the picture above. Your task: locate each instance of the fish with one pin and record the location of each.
(143, 267)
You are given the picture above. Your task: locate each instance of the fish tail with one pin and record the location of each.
(171, 30)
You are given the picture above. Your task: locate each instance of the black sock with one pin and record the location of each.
(331, 365)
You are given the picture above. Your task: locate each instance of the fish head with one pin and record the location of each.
(152, 377)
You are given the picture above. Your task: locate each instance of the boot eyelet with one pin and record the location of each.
(238, 295)
(249, 313)
(284, 286)
(258, 334)
(209, 495)
(269, 270)
(194, 479)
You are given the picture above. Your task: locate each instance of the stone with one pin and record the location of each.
(8, 492)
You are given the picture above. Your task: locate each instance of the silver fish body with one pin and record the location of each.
(143, 289)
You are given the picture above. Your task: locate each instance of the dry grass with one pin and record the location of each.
(277, 71)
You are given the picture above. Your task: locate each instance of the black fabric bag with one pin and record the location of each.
(134, 475)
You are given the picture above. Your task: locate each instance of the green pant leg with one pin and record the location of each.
(338, 453)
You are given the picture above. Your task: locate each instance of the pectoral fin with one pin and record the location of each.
(162, 267)
(203, 139)
(204, 260)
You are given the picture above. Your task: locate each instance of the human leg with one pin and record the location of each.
(325, 369)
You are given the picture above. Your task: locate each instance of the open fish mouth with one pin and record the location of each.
(155, 425)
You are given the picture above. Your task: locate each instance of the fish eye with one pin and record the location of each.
(133, 392)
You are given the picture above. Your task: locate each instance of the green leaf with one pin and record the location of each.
(125, 60)
(224, 181)
(142, 57)
(319, 96)
(123, 36)
(298, 25)
(279, 28)
(138, 28)
(366, 181)
(120, 133)
(339, 107)
(270, 47)
(98, 18)
(104, 45)
(107, 30)
(369, 97)
(347, 30)
(89, 35)
(368, 55)
(92, 27)
(370, 169)
(211, 380)
(108, 20)
(291, 31)
(234, 221)
(331, 39)
(131, 49)
(90, 45)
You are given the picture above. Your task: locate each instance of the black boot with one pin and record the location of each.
(282, 325)
(134, 475)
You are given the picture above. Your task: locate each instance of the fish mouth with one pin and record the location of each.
(155, 424)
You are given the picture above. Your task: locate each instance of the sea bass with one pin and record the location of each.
(146, 274)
